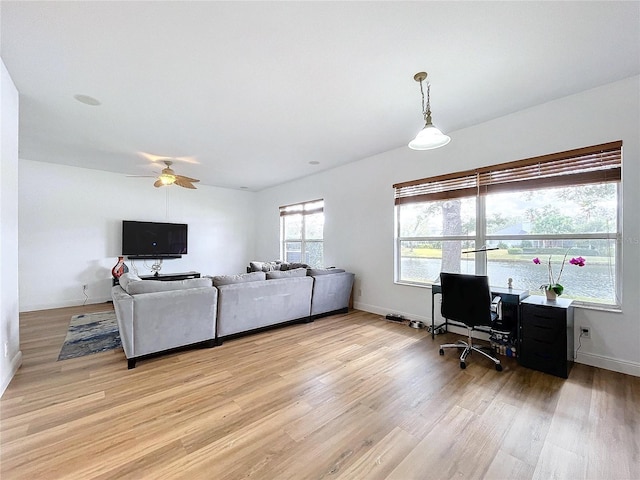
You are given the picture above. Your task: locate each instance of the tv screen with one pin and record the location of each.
(153, 239)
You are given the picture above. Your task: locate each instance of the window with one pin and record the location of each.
(565, 203)
(301, 230)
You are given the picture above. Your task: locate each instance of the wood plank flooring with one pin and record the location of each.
(347, 397)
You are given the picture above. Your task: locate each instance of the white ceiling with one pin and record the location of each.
(249, 93)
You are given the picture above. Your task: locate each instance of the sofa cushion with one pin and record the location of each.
(298, 272)
(150, 286)
(126, 278)
(219, 280)
(314, 272)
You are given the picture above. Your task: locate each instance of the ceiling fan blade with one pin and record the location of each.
(181, 182)
(188, 179)
(158, 183)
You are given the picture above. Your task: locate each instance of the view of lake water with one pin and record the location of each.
(593, 282)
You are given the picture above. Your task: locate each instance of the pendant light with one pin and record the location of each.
(429, 137)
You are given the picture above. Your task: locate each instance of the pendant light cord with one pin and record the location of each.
(426, 112)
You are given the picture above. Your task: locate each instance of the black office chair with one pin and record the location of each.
(466, 299)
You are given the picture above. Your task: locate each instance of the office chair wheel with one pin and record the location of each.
(498, 367)
(463, 365)
(441, 351)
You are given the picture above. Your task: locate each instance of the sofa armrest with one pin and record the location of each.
(331, 292)
(123, 306)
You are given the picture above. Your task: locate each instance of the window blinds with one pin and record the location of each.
(306, 208)
(595, 164)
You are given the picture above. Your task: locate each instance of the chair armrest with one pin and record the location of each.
(496, 304)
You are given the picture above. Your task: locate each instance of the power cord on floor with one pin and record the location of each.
(579, 345)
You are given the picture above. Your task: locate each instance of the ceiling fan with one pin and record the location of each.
(169, 177)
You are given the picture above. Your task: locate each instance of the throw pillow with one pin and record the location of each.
(297, 265)
(219, 280)
(255, 266)
(126, 278)
(265, 266)
(298, 272)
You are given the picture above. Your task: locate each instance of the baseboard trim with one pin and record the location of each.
(608, 363)
(385, 311)
(69, 303)
(15, 363)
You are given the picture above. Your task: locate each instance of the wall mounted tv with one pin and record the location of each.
(153, 239)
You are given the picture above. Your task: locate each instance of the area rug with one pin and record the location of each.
(90, 333)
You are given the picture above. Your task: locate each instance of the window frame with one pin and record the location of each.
(589, 165)
(304, 209)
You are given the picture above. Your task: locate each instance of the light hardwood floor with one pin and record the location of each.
(346, 397)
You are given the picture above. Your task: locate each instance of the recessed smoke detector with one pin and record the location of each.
(87, 100)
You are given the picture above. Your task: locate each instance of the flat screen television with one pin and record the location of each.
(154, 239)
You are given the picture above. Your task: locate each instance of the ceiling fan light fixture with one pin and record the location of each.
(167, 179)
(429, 137)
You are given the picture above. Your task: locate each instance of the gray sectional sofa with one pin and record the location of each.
(155, 316)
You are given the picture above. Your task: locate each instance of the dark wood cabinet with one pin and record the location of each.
(164, 277)
(545, 335)
(167, 277)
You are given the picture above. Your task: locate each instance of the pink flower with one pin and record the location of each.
(577, 261)
(554, 283)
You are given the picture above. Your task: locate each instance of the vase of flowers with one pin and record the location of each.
(554, 289)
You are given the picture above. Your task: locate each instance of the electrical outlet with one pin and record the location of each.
(585, 332)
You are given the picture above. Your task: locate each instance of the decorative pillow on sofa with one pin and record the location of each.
(265, 266)
(314, 272)
(219, 280)
(126, 278)
(297, 272)
(292, 266)
(150, 286)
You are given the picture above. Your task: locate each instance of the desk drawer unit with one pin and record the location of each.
(546, 335)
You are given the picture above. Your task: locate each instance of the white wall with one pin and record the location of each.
(10, 354)
(359, 206)
(70, 226)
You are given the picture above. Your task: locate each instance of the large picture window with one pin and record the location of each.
(547, 207)
(301, 233)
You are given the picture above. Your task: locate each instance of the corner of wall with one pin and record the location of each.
(7, 376)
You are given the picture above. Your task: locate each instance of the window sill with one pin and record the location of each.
(409, 284)
(599, 308)
(577, 304)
